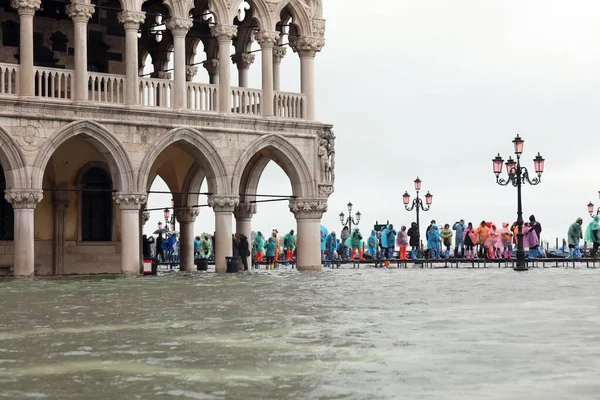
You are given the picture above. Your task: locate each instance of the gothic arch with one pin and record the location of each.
(260, 12)
(299, 13)
(192, 185)
(13, 162)
(105, 143)
(256, 157)
(203, 150)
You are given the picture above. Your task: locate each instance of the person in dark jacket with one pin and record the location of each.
(244, 250)
(536, 251)
(413, 234)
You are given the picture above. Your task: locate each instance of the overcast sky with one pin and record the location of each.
(436, 88)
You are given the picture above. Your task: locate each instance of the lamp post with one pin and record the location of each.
(169, 218)
(350, 220)
(417, 203)
(591, 207)
(518, 176)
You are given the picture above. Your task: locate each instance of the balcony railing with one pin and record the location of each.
(55, 83)
(202, 97)
(106, 88)
(9, 79)
(245, 101)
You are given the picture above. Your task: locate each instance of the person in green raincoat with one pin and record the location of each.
(355, 243)
(205, 247)
(592, 235)
(259, 247)
(574, 235)
(289, 245)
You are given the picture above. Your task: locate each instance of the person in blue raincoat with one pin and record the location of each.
(459, 242)
(372, 243)
(330, 246)
(391, 240)
(383, 243)
(434, 242)
(323, 237)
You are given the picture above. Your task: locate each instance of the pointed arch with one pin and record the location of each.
(101, 139)
(256, 157)
(202, 149)
(260, 12)
(299, 13)
(13, 162)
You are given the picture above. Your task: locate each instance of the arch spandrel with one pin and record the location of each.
(101, 139)
(300, 13)
(13, 162)
(278, 149)
(201, 148)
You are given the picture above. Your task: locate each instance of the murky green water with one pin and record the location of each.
(341, 334)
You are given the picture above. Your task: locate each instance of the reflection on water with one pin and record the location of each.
(340, 334)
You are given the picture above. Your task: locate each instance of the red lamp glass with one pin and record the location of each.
(538, 163)
(498, 161)
(406, 198)
(428, 198)
(510, 165)
(518, 142)
(591, 208)
(417, 184)
(167, 213)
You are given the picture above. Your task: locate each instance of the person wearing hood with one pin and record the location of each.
(446, 236)
(459, 247)
(482, 232)
(355, 243)
(344, 235)
(275, 235)
(492, 242)
(536, 251)
(270, 253)
(289, 245)
(434, 242)
(330, 246)
(391, 241)
(197, 244)
(530, 240)
(592, 235)
(506, 240)
(258, 246)
(205, 247)
(470, 241)
(413, 234)
(383, 244)
(574, 235)
(402, 242)
(323, 237)
(372, 243)
(244, 250)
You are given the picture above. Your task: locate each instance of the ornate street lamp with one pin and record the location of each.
(591, 207)
(350, 220)
(167, 215)
(518, 176)
(417, 203)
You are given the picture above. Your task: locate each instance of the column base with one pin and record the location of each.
(221, 270)
(130, 273)
(310, 268)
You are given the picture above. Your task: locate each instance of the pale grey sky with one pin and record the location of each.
(436, 88)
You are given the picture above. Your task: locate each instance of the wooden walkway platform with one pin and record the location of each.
(473, 263)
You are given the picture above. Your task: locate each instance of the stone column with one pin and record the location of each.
(308, 213)
(80, 13)
(186, 218)
(307, 48)
(266, 40)
(130, 204)
(26, 10)
(131, 21)
(23, 202)
(243, 223)
(61, 203)
(243, 62)
(212, 67)
(224, 34)
(223, 207)
(278, 54)
(179, 28)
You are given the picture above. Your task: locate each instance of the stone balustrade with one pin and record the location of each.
(9, 78)
(203, 97)
(106, 88)
(156, 92)
(53, 83)
(289, 105)
(245, 101)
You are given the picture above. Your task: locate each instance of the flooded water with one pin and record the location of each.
(339, 334)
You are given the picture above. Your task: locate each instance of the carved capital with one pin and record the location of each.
(23, 198)
(325, 190)
(187, 214)
(304, 208)
(26, 7)
(130, 201)
(245, 210)
(243, 60)
(278, 53)
(266, 38)
(145, 217)
(224, 32)
(212, 67)
(190, 72)
(307, 46)
(179, 26)
(223, 203)
(131, 19)
(80, 12)
(161, 75)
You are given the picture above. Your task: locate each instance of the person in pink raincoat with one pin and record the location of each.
(492, 242)
(402, 242)
(530, 239)
(506, 240)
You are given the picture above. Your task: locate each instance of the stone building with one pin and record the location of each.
(84, 132)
